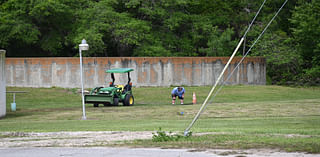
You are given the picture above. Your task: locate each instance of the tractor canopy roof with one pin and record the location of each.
(119, 70)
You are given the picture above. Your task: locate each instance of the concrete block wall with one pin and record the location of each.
(148, 71)
(2, 83)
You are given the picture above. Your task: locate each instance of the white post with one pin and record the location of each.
(82, 96)
(2, 83)
(82, 46)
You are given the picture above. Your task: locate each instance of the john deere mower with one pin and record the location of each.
(113, 94)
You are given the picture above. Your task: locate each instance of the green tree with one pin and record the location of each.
(110, 33)
(306, 33)
(40, 26)
(220, 43)
(166, 28)
(283, 60)
(16, 27)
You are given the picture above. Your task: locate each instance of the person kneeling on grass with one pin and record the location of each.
(177, 91)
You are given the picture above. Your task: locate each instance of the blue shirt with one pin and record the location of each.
(175, 91)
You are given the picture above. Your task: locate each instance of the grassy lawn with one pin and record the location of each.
(287, 118)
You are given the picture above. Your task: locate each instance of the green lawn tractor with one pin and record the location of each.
(113, 94)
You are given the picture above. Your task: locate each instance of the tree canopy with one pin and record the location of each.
(291, 45)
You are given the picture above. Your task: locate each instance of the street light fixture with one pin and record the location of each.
(82, 47)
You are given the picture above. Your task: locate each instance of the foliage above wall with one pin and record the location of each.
(166, 28)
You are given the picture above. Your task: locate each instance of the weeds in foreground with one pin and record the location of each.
(162, 136)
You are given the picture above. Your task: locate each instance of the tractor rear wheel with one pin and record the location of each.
(128, 100)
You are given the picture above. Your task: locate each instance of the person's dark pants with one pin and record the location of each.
(175, 96)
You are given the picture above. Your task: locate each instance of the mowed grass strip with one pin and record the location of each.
(287, 118)
(288, 143)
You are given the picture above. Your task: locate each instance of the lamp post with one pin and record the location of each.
(82, 47)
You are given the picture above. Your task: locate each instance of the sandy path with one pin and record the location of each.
(69, 139)
(91, 139)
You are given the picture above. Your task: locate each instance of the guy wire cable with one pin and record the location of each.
(186, 132)
(224, 82)
(210, 93)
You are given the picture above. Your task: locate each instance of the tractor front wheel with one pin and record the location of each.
(115, 101)
(128, 100)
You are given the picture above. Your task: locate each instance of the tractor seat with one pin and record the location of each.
(120, 88)
(127, 87)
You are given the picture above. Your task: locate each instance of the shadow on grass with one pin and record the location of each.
(166, 104)
(12, 115)
(32, 112)
(120, 105)
(141, 104)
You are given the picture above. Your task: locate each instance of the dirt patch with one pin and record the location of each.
(81, 139)
(103, 138)
(69, 139)
(258, 153)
